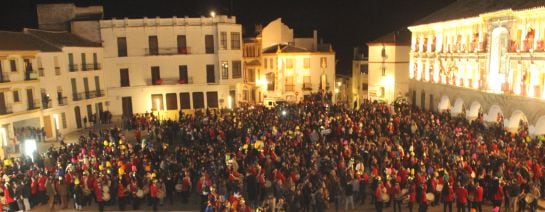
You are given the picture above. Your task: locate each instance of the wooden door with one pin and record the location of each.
(48, 127)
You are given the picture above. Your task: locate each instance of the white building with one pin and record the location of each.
(388, 75)
(360, 77)
(172, 63)
(35, 71)
(292, 68)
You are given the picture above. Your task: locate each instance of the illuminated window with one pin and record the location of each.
(289, 63)
(323, 62)
(306, 64)
(223, 40)
(224, 70)
(235, 40)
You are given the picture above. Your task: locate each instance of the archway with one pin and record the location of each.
(492, 115)
(458, 106)
(540, 126)
(444, 104)
(515, 119)
(474, 110)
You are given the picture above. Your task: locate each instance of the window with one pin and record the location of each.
(71, 66)
(224, 70)
(210, 74)
(250, 75)
(40, 66)
(121, 47)
(364, 69)
(185, 101)
(95, 61)
(83, 62)
(270, 81)
(223, 40)
(209, 44)
(289, 63)
(16, 96)
(265, 63)
(182, 45)
(212, 99)
(63, 118)
(323, 62)
(271, 63)
(198, 100)
(153, 45)
(364, 86)
(13, 65)
(124, 77)
(97, 86)
(289, 84)
(235, 40)
(155, 75)
(237, 69)
(157, 102)
(172, 101)
(306, 63)
(57, 67)
(307, 85)
(182, 71)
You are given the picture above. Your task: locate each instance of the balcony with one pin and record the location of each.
(31, 75)
(62, 100)
(46, 104)
(57, 70)
(5, 109)
(88, 94)
(170, 81)
(77, 96)
(4, 77)
(99, 93)
(168, 51)
(72, 67)
(97, 66)
(35, 104)
(85, 67)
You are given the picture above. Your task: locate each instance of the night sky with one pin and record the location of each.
(343, 23)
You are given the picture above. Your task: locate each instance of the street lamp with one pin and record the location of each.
(212, 14)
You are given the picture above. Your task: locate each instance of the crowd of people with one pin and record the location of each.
(309, 156)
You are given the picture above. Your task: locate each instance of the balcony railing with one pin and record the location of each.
(57, 70)
(88, 94)
(170, 81)
(35, 104)
(99, 93)
(77, 96)
(168, 51)
(4, 77)
(97, 66)
(73, 67)
(85, 67)
(5, 109)
(46, 104)
(41, 71)
(31, 75)
(188, 80)
(62, 100)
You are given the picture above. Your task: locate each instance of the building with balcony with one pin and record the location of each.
(171, 64)
(486, 61)
(34, 83)
(388, 73)
(291, 68)
(252, 68)
(359, 88)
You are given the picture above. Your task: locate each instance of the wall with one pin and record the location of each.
(276, 32)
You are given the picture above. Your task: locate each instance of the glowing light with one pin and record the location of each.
(157, 104)
(284, 113)
(339, 83)
(30, 147)
(56, 118)
(230, 102)
(212, 14)
(336, 90)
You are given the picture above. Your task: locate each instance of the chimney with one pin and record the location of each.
(315, 39)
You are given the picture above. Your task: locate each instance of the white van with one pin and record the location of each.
(272, 102)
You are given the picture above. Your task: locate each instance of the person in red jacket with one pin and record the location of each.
(153, 194)
(121, 195)
(478, 199)
(461, 198)
(97, 186)
(448, 197)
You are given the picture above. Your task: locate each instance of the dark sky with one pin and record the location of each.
(343, 23)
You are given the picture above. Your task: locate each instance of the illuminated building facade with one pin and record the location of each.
(172, 64)
(292, 68)
(47, 79)
(482, 57)
(388, 66)
(360, 77)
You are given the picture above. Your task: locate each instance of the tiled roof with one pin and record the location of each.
(472, 8)
(18, 41)
(402, 37)
(62, 39)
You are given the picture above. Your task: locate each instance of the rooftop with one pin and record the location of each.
(61, 39)
(473, 8)
(400, 38)
(19, 41)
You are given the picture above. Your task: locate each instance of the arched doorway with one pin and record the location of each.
(493, 112)
(474, 110)
(497, 65)
(458, 106)
(444, 104)
(540, 126)
(515, 120)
